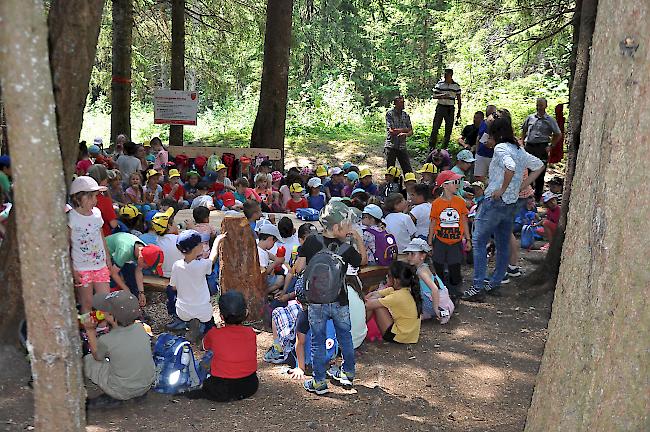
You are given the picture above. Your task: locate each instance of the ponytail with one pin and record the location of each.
(407, 276)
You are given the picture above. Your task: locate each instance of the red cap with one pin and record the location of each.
(228, 199)
(446, 176)
(153, 256)
(181, 159)
(218, 187)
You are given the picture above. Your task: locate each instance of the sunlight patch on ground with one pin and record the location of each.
(486, 382)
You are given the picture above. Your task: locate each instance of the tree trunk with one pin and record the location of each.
(12, 310)
(178, 62)
(47, 289)
(240, 264)
(73, 28)
(121, 81)
(545, 277)
(595, 369)
(268, 130)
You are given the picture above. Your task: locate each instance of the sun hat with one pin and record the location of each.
(148, 216)
(85, 184)
(417, 245)
(146, 143)
(409, 177)
(479, 184)
(174, 173)
(121, 304)
(188, 240)
(365, 173)
(374, 211)
(352, 176)
(160, 221)
(129, 212)
(150, 158)
(547, 196)
(314, 182)
(296, 188)
(98, 141)
(305, 171)
(465, 156)
(276, 176)
(394, 171)
(220, 166)
(428, 168)
(335, 213)
(446, 176)
(153, 257)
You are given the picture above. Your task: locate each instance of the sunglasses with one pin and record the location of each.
(454, 182)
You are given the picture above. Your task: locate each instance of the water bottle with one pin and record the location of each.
(185, 357)
(96, 316)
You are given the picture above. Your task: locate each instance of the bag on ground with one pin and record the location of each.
(176, 369)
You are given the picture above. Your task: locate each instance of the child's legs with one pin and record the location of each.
(225, 390)
(171, 300)
(549, 229)
(383, 318)
(318, 315)
(455, 276)
(514, 251)
(85, 297)
(343, 328)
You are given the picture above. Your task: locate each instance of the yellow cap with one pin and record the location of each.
(160, 221)
(321, 171)
(146, 143)
(409, 177)
(151, 173)
(129, 211)
(296, 188)
(428, 168)
(174, 173)
(220, 167)
(394, 171)
(364, 173)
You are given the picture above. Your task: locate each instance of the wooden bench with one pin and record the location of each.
(155, 283)
(250, 152)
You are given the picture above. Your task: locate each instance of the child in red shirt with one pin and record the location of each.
(297, 198)
(551, 219)
(174, 189)
(233, 369)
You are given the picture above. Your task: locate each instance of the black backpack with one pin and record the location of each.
(324, 276)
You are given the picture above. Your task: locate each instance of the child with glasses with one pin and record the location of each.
(447, 230)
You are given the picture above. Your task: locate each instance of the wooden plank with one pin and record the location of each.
(216, 217)
(155, 283)
(194, 151)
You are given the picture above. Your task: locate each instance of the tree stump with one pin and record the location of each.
(239, 264)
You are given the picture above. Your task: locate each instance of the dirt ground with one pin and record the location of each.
(474, 374)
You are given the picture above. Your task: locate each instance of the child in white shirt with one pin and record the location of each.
(421, 211)
(399, 224)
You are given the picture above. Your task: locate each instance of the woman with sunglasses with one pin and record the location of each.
(447, 230)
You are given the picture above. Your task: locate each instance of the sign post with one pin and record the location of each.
(175, 107)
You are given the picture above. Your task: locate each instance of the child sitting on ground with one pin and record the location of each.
(334, 187)
(267, 235)
(397, 309)
(349, 180)
(173, 189)
(391, 184)
(551, 217)
(152, 190)
(191, 186)
(428, 172)
(435, 297)
(421, 211)
(135, 193)
(297, 199)
(90, 260)
(161, 223)
(233, 368)
(243, 192)
(365, 182)
(132, 219)
(315, 198)
(188, 279)
(276, 181)
(262, 188)
(115, 188)
(130, 371)
(253, 213)
(223, 179)
(409, 185)
(556, 185)
(202, 198)
(397, 222)
(371, 219)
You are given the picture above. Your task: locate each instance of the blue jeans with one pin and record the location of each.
(494, 217)
(340, 315)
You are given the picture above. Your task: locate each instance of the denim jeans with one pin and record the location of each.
(494, 217)
(340, 315)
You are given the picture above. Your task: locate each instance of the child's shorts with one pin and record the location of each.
(99, 276)
(447, 254)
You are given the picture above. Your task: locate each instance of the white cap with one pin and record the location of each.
(98, 141)
(270, 229)
(85, 184)
(314, 182)
(547, 196)
(337, 171)
(417, 245)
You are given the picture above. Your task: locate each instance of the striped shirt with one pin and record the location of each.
(510, 157)
(451, 90)
(396, 120)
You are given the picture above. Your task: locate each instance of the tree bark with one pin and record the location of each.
(268, 130)
(12, 310)
(545, 277)
(240, 264)
(178, 62)
(121, 80)
(47, 289)
(595, 369)
(73, 29)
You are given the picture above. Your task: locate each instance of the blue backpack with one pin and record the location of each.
(307, 214)
(527, 237)
(331, 344)
(176, 369)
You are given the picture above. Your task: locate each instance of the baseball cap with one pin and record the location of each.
(417, 245)
(295, 188)
(394, 171)
(232, 304)
(219, 167)
(151, 173)
(84, 184)
(409, 177)
(181, 159)
(98, 141)
(365, 173)
(479, 184)
(547, 196)
(192, 173)
(146, 143)
(276, 176)
(335, 213)
(305, 171)
(148, 216)
(374, 211)
(153, 257)
(346, 166)
(356, 191)
(228, 199)
(428, 168)
(266, 163)
(150, 158)
(121, 304)
(270, 229)
(188, 240)
(465, 156)
(160, 221)
(321, 171)
(446, 176)
(93, 149)
(336, 171)
(200, 161)
(5, 160)
(129, 211)
(352, 176)
(174, 173)
(314, 182)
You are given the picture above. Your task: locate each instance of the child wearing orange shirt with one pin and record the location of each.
(448, 229)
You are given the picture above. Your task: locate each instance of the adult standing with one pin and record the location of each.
(483, 152)
(446, 91)
(540, 132)
(128, 163)
(496, 212)
(398, 128)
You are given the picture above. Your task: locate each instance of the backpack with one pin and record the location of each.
(385, 246)
(211, 164)
(324, 276)
(307, 214)
(527, 237)
(176, 369)
(229, 160)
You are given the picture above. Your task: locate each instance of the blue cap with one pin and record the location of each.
(149, 215)
(352, 176)
(358, 190)
(93, 149)
(188, 240)
(5, 160)
(374, 211)
(150, 158)
(346, 166)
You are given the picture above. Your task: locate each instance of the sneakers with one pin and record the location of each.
(313, 387)
(473, 295)
(176, 324)
(513, 271)
(493, 291)
(274, 356)
(338, 377)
